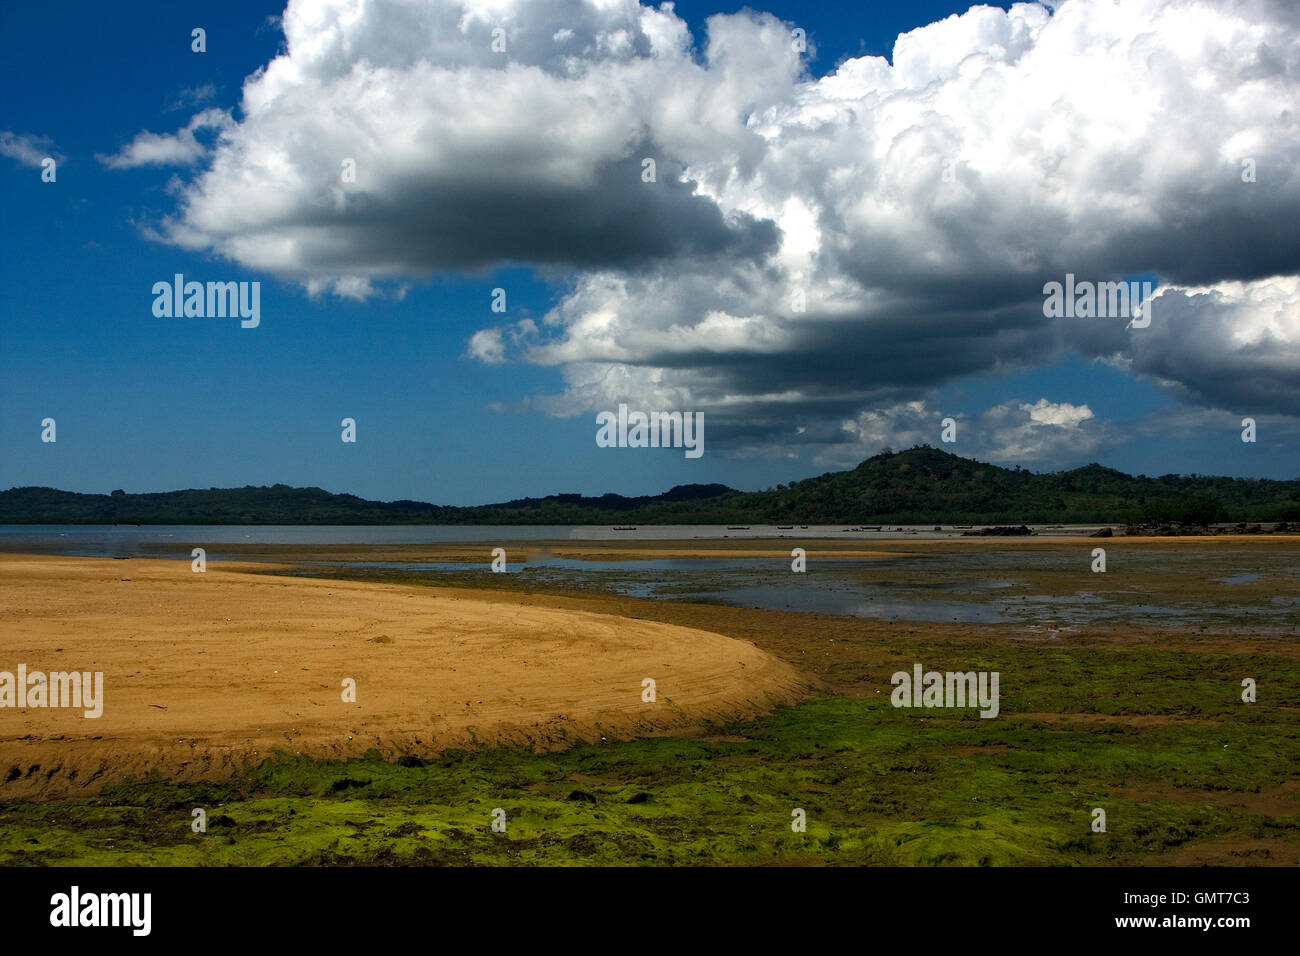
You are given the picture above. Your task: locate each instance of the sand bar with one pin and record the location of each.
(206, 671)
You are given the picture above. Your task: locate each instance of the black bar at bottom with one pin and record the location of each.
(651, 907)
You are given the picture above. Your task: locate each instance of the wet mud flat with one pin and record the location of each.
(1250, 585)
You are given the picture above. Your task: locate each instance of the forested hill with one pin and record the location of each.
(920, 486)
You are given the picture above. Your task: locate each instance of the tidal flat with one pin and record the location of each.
(1137, 711)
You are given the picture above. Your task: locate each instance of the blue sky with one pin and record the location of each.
(150, 404)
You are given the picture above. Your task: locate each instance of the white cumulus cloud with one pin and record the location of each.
(813, 250)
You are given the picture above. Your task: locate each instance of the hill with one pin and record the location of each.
(922, 485)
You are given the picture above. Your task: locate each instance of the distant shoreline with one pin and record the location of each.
(21, 538)
(912, 489)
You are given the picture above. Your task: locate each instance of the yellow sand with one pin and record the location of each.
(203, 671)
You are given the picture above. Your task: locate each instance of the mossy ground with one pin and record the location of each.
(1157, 736)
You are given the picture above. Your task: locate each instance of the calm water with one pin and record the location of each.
(148, 540)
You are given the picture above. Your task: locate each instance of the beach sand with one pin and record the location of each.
(204, 672)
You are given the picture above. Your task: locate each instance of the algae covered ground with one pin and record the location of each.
(1155, 735)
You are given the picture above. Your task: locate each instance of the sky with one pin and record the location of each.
(855, 215)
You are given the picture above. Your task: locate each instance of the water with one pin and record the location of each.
(161, 540)
(979, 585)
(145, 540)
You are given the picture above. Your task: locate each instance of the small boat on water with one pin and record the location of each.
(617, 528)
(738, 527)
(786, 527)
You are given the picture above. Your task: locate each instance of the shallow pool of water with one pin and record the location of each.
(980, 588)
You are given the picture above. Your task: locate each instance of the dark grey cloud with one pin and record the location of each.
(472, 222)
